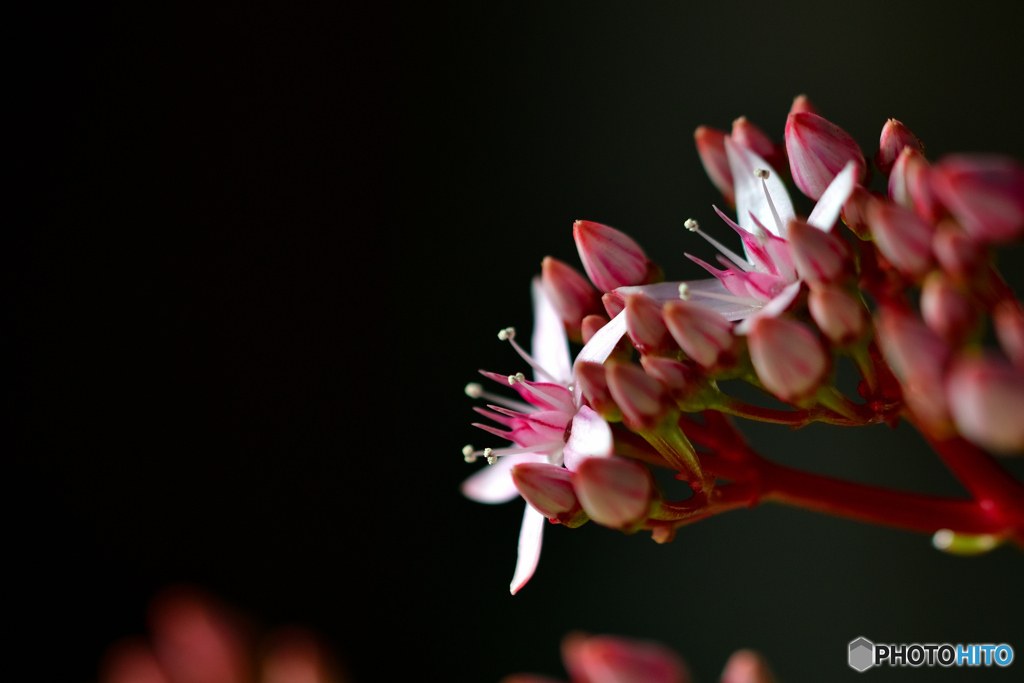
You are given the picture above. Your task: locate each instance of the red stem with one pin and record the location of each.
(993, 487)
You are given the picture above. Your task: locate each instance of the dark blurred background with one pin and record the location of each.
(276, 244)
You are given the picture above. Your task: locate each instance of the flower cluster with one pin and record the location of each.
(905, 291)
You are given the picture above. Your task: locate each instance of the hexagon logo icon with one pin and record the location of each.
(862, 654)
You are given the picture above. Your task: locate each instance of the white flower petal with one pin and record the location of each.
(599, 348)
(493, 484)
(750, 197)
(663, 292)
(826, 211)
(549, 345)
(530, 536)
(773, 308)
(591, 437)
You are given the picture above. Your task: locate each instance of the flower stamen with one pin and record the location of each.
(738, 260)
(764, 175)
(509, 334)
(474, 390)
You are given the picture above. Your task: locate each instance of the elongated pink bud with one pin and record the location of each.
(590, 325)
(593, 381)
(610, 257)
(919, 358)
(1009, 323)
(643, 400)
(613, 303)
(818, 151)
(840, 315)
(681, 379)
(984, 193)
(746, 666)
(569, 292)
(910, 185)
(986, 398)
(902, 237)
(788, 358)
(607, 659)
(711, 149)
(895, 136)
(946, 310)
(819, 256)
(547, 488)
(753, 138)
(855, 211)
(704, 335)
(802, 105)
(644, 324)
(615, 492)
(957, 253)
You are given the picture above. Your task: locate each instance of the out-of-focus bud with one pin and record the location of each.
(984, 193)
(607, 659)
(902, 237)
(753, 138)
(593, 381)
(569, 292)
(788, 358)
(819, 256)
(746, 666)
(613, 303)
(194, 641)
(590, 325)
(802, 105)
(548, 488)
(895, 136)
(855, 211)
(910, 185)
(839, 315)
(1009, 323)
(818, 151)
(644, 324)
(615, 492)
(704, 335)
(986, 398)
(946, 310)
(681, 379)
(957, 253)
(610, 257)
(711, 149)
(643, 400)
(919, 358)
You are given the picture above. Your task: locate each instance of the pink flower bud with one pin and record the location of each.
(788, 358)
(918, 357)
(895, 136)
(704, 335)
(802, 105)
(615, 492)
(986, 398)
(753, 138)
(984, 193)
(746, 666)
(548, 488)
(840, 316)
(1009, 323)
(610, 257)
(946, 310)
(681, 379)
(614, 303)
(819, 256)
(711, 149)
(818, 151)
(606, 659)
(593, 382)
(643, 400)
(644, 324)
(590, 325)
(910, 185)
(855, 211)
(569, 292)
(902, 237)
(958, 254)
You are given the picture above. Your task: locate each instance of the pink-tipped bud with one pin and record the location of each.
(1009, 323)
(681, 379)
(840, 315)
(753, 138)
(984, 193)
(902, 237)
(613, 303)
(704, 335)
(593, 381)
(946, 310)
(590, 325)
(919, 358)
(910, 185)
(615, 492)
(957, 253)
(788, 358)
(818, 151)
(607, 659)
(644, 324)
(895, 136)
(610, 257)
(711, 149)
(547, 488)
(986, 399)
(855, 211)
(569, 292)
(802, 105)
(643, 400)
(819, 256)
(746, 666)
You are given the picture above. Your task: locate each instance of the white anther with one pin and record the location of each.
(518, 377)
(474, 390)
(491, 459)
(691, 225)
(507, 334)
(467, 454)
(684, 291)
(762, 173)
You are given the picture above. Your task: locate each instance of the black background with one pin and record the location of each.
(275, 244)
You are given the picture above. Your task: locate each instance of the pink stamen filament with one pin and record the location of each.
(509, 334)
